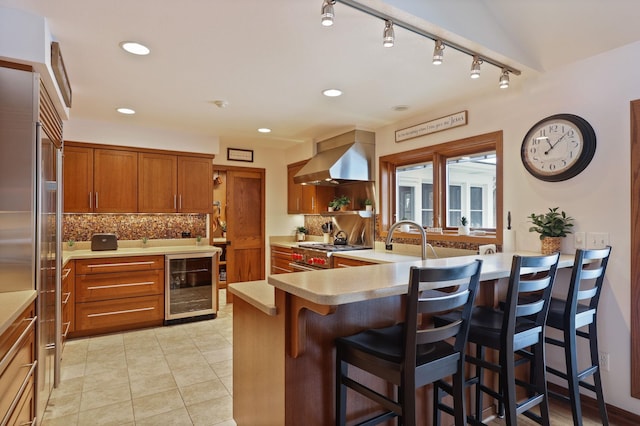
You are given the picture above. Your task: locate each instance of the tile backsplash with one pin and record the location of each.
(133, 226)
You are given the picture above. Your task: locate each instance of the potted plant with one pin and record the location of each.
(340, 203)
(368, 205)
(301, 233)
(551, 226)
(145, 241)
(463, 229)
(71, 244)
(198, 239)
(223, 228)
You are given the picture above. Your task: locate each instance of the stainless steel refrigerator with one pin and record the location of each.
(30, 216)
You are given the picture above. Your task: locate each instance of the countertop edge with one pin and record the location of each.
(12, 304)
(257, 293)
(68, 255)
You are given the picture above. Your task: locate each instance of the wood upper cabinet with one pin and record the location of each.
(306, 199)
(100, 180)
(157, 183)
(174, 183)
(195, 184)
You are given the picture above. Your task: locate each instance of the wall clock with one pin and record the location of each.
(558, 147)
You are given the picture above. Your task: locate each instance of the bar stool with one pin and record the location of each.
(409, 355)
(579, 310)
(518, 329)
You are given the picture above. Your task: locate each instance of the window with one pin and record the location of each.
(437, 185)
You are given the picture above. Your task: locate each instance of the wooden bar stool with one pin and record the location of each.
(516, 329)
(577, 311)
(408, 355)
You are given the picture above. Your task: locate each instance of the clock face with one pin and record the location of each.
(558, 147)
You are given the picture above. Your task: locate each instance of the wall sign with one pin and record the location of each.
(236, 154)
(433, 126)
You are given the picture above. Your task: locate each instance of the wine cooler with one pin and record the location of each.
(190, 287)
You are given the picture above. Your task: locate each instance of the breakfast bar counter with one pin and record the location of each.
(283, 367)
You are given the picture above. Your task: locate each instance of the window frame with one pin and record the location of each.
(438, 155)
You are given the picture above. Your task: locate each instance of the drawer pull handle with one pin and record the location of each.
(111, 265)
(128, 311)
(66, 273)
(284, 253)
(97, 287)
(31, 423)
(66, 299)
(16, 346)
(67, 325)
(23, 386)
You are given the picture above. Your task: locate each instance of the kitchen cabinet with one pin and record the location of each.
(68, 299)
(344, 262)
(221, 277)
(280, 259)
(118, 293)
(306, 199)
(174, 183)
(17, 360)
(100, 180)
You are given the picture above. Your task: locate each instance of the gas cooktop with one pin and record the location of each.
(332, 247)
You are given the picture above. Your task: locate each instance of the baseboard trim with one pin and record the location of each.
(617, 416)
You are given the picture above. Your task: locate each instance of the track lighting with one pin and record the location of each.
(475, 67)
(438, 52)
(504, 79)
(387, 35)
(327, 12)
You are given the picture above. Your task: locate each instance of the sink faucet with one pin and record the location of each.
(423, 235)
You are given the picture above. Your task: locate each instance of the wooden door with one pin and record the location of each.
(78, 179)
(245, 225)
(157, 183)
(115, 181)
(195, 185)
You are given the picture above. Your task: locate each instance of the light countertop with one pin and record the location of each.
(348, 285)
(12, 303)
(257, 293)
(136, 251)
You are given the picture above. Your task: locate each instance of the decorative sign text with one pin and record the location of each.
(433, 126)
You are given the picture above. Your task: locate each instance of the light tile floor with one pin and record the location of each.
(174, 375)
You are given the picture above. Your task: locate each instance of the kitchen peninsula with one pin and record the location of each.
(283, 368)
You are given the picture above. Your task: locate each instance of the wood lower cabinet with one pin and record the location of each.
(344, 262)
(68, 299)
(118, 293)
(100, 180)
(17, 378)
(306, 199)
(280, 259)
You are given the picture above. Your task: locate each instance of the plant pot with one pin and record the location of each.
(330, 209)
(550, 245)
(368, 208)
(463, 230)
(300, 236)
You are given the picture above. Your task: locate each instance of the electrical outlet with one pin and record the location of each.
(597, 240)
(603, 359)
(579, 240)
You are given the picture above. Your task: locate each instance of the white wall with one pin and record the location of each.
(598, 89)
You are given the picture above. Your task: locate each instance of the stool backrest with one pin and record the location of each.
(435, 290)
(587, 278)
(529, 293)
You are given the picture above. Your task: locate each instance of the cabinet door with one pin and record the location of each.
(195, 185)
(294, 191)
(78, 179)
(157, 183)
(115, 181)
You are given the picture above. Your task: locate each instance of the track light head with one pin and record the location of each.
(503, 83)
(475, 67)
(327, 14)
(438, 52)
(388, 37)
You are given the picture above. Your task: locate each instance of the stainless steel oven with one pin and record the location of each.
(190, 287)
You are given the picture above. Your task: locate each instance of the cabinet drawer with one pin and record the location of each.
(68, 299)
(24, 413)
(120, 285)
(280, 266)
(17, 371)
(343, 262)
(119, 264)
(118, 313)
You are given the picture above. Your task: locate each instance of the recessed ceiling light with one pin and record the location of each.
(135, 48)
(332, 93)
(264, 130)
(127, 111)
(400, 107)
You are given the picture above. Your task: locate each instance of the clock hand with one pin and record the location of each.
(557, 142)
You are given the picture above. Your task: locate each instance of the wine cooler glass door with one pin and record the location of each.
(190, 286)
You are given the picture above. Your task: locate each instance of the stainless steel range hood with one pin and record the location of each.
(343, 159)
